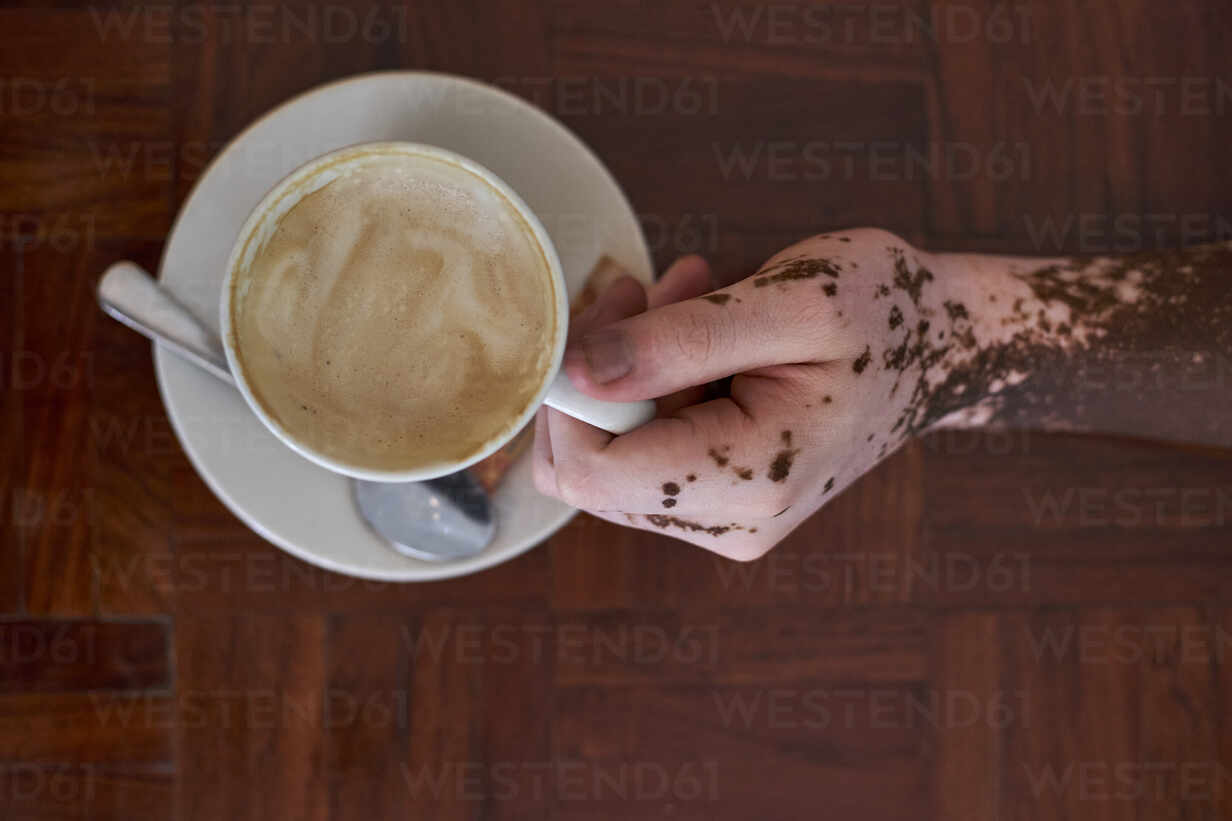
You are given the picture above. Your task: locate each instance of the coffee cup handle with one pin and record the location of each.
(613, 417)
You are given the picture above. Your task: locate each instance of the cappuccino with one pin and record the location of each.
(399, 316)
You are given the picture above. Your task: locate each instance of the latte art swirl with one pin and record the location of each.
(399, 316)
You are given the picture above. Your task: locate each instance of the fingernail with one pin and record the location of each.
(607, 355)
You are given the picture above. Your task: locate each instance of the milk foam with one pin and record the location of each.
(400, 316)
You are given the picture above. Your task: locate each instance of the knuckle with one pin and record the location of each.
(811, 317)
(693, 337)
(545, 478)
(873, 237)
(748, 550)
(577, 484)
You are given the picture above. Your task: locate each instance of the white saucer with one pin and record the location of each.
(298, 506)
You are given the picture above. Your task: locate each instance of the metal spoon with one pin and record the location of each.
(443, 519)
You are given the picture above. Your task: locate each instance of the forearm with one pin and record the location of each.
(1138, 345)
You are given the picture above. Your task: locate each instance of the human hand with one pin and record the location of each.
(832, 345)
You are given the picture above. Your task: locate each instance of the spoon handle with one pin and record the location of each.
(128, 293)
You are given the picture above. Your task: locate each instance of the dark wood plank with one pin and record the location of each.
(511, 41)
(968, 675)
(1221, 620)
(132, 456)
(1149, 668)
(247, 574)
(895, 33)
(57, 792)
(444, 769)
(1069, 519)
(250, 707)
(232, 62)
(132, 445)
(367, 718)
(12, 488)
(52, 483)
(96, 728)
(517, 708)
(704, 751)
(776, 158)
(583, 577)
(58, 656)
(481, 702)
(876, 644)
(1103, 130)
(617, 647)
(89, 142)
(56, 505)
(711, 83)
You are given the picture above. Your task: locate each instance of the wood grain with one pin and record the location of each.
(993, 626)
(58, 656)
(43, 792)
(248, 716)
(95, 728)
(367, 717)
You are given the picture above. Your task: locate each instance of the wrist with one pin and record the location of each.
(983, 311)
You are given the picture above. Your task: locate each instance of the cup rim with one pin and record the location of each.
(386, 148)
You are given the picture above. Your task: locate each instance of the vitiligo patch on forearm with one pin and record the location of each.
(1139, 344)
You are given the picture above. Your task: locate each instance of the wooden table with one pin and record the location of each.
(1015, 626)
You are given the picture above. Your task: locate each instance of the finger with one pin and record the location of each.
(687, 277)
(542, 469)
(624, 297)
(709, 457)
(749, 325)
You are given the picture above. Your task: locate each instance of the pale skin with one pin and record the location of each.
(845, 345)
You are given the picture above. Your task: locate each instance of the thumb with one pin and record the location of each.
(691, 343)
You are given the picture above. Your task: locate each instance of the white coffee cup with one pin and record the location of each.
(556, 390)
